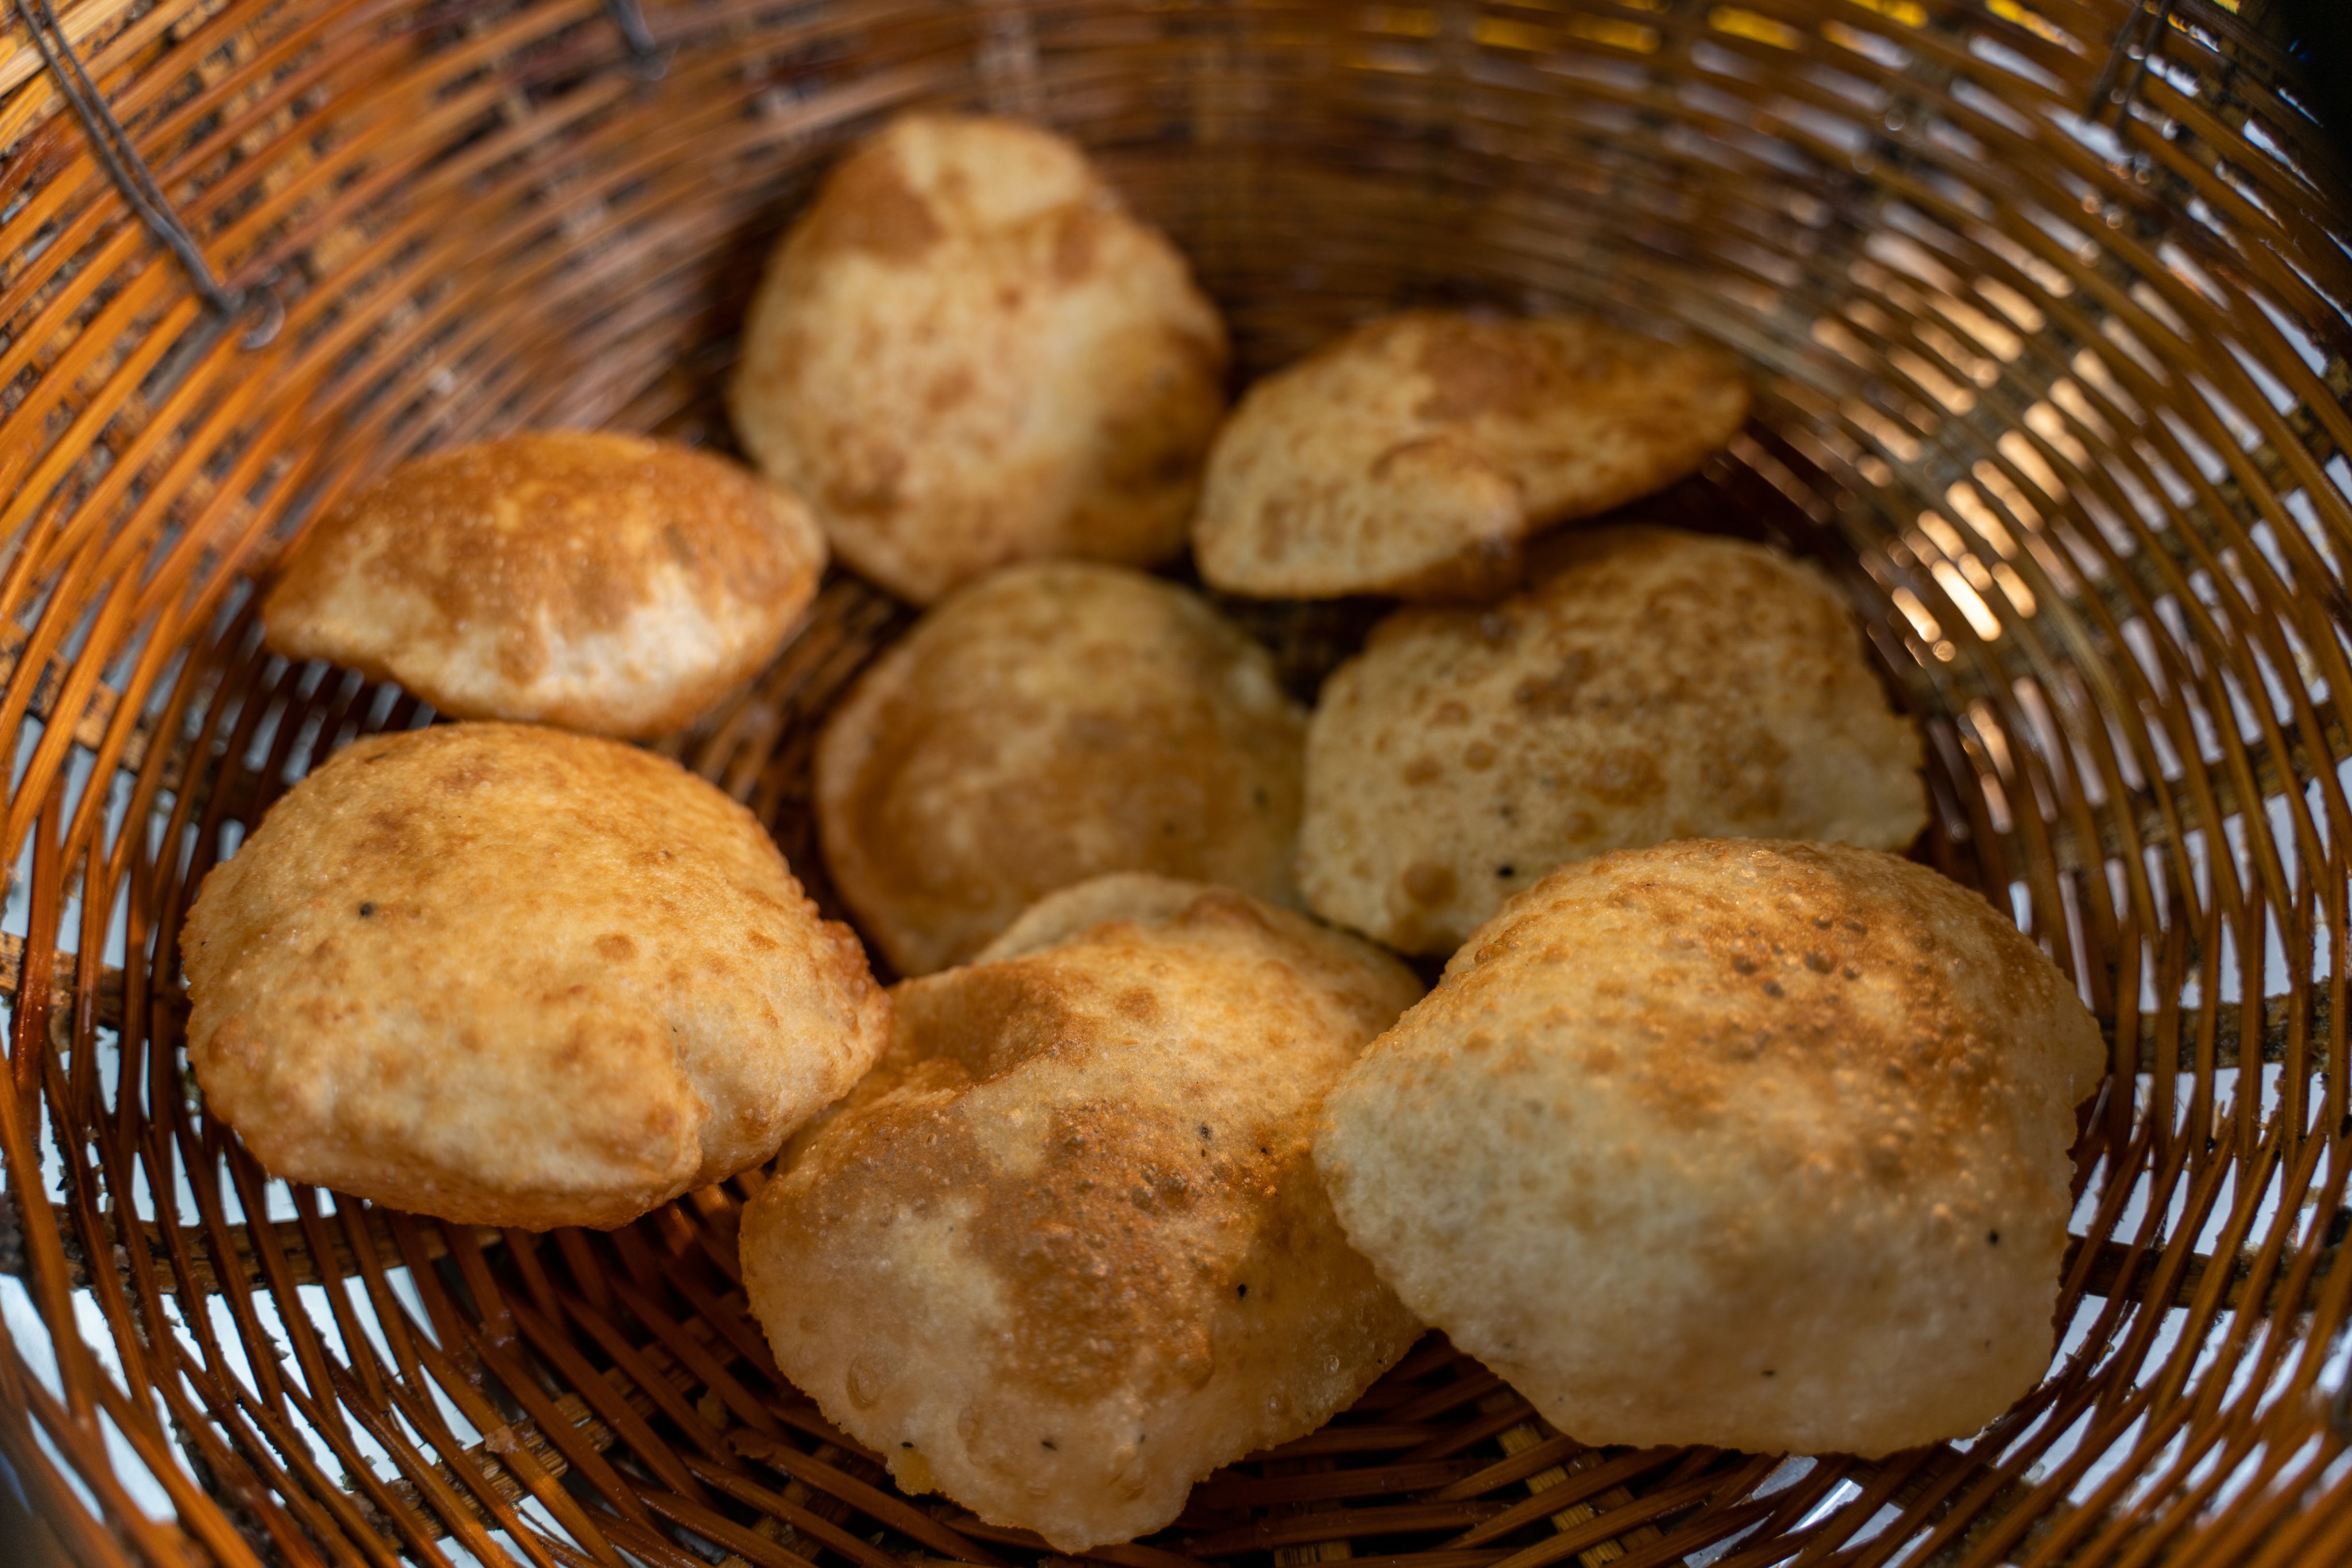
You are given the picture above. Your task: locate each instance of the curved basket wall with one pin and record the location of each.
(2047, 304)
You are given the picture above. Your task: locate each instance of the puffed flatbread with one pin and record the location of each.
(1052, 723)
(509, 976)
(1414, 455)
(1757, 1146)
(968, 353)
(603, 582)
(1652, 685)
(1064, 1252)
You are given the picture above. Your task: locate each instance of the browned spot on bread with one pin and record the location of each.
(866, 482)
(1746, 771)
(1274, 527)
(1622, 776)
(1555, 692)
(468, 773)
(868, 205)
(994, 1017)
(1479, 571)
(1425, 882)
(1428, 451)
(1478, 367)
(953, 387)
(1092, 1294)
(1076, 235)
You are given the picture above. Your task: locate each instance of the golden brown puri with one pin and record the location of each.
(1413, 455)
(1064, 1252)
(1755, 1145)
(1050, 723)
(603, 582)
(509, 976)
(968, 353)
(1654, 685)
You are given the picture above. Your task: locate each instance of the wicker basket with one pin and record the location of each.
(2047, 298)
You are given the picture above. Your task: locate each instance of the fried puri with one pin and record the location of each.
(509, 976)
(1064, 1252)
(1758, 1146)
(603, 582)
(1052, 723)
(1414, 455)
(968, 353)
(1654, 685)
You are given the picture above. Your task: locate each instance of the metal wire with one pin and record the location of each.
(2137, 42)
(119, 157)
(646, 57)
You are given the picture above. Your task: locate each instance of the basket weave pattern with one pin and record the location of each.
(2047, 307)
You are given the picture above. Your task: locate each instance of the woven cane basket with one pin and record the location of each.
(2046, 303)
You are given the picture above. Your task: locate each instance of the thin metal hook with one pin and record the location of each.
(119, 156)
(647, 61)
(2136, 41)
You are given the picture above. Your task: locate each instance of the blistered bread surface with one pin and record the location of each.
(509, 976)
(1048, 723)
(1064, 1252)
(1653, 685)
(969, 353)
(1414, 455)
(1758, 1146)
(603, 582)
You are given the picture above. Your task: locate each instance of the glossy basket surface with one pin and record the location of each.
(2047, 305)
